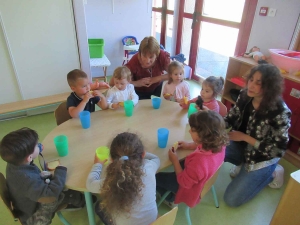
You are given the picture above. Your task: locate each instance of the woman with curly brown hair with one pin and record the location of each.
(210, 137)
(128, 189)
(260, 121)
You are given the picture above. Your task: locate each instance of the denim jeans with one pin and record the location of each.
(246, 184)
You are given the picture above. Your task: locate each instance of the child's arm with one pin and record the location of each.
(94, 180)
(187, 145)
(134, 97)
(102, 103)
(74, 111)
(154, 160)
(174, 159)
(110, 97)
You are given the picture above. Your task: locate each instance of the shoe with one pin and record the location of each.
(170, 204)
(278, 175)
(234, 171)
(71, 207)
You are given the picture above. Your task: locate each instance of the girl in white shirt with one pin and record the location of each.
(176, 88)
(122, 90)
(129, 186)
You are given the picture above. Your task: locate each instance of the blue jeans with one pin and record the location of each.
(246, 184)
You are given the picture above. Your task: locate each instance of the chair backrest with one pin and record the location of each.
(61, 113)
(223, 108)
(166, 219)
(210, 182)
(129, 40)
(4, 194)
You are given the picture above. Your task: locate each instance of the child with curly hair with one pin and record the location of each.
(209, 140)
(128, 188)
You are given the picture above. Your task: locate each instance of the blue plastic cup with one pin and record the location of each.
(85, 119)
(156, 102)
(162, 137)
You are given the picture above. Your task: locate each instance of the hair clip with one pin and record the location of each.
(123, 158)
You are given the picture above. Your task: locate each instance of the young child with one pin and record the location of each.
(82, 98)
(211, 87)
(176, 88)
(34, 200)
(128, 190)
(256, 55)
(122, 90)
(210, 137)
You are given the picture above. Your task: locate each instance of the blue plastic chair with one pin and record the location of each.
(209, 185)
(129, 40)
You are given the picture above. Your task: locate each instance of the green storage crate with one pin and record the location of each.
(96, 48)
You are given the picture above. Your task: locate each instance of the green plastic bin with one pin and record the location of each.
(96, 48)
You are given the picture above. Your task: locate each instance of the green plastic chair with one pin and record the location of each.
(209, 185)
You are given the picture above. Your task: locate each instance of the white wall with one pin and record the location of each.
(130, 17)
(274, 32)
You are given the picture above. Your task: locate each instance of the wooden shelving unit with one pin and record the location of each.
(239, 67)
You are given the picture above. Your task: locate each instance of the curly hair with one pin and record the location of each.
(17, 145)
(123, 184)
(210, 127)
(271, 84)
(173, 66)
(215, 83)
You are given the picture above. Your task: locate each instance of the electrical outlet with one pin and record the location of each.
(295, 93)
(272, 12)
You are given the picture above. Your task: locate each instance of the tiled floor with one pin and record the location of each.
(258, 211)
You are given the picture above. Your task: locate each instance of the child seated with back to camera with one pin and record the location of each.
(33, 199)
(82, 98)
(127, 189)
(207, 129)
(123, 90)
(176, 88)
(211, 87)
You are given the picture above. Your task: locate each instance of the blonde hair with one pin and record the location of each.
(74, 75)
(172, 66)
(123, 184)
(149, 45)
(122, 72)
(216, 84)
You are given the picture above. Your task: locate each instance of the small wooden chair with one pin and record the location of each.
(223, 108)
(4, 196)
(209, 185)
(61, 113)
(166, 219)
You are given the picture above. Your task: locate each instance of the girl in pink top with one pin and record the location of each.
(211, 87)
(210, 137)
(176, 88)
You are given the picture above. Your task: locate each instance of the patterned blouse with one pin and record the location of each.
(270, 129)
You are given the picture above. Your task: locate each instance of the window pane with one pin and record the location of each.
(186, 38)
(231, 10)
(169, 41)
(156, 25)
(171, 4)
(157, 3)
(189, 6)
(214, 49)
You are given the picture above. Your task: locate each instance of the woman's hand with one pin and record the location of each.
(144, 82)
(236, 136)
(173, 155)
(97, 160)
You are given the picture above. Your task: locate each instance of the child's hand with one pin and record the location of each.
(204, 108)
(97, 93)
(187, 145)
(87, 97)
(173, 155)
(167, 96)
(115, 105)
(97, 160)
(182, 103)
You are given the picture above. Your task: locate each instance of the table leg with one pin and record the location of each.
(89, 207)
(104, 70)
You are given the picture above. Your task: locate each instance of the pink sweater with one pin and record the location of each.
(212, 105)
(199, 166)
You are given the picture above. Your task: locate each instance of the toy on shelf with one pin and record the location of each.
(256, 55)
(99, 85)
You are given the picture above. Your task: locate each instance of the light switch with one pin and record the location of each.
(272, 12)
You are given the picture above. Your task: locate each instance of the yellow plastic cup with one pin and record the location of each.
(103, 153)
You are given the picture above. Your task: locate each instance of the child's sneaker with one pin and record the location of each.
(278, 175)
(170, 204)
(234, 171)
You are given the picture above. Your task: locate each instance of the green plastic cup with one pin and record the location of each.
(192, 109)
(103, 153)
(128, 107)
(61, 144)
